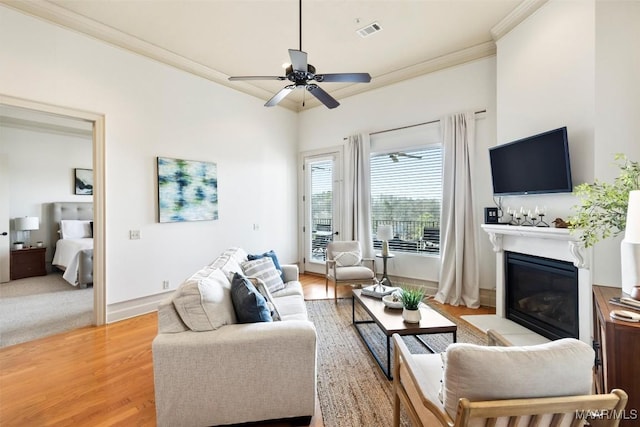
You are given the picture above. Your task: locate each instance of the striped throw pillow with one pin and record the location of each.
(265, 270)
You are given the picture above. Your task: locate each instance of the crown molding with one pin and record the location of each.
(469, 54)
(53, 13)
(50, 12)
(38, 126)
(519, 14)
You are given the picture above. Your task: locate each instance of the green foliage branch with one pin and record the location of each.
(602, 211)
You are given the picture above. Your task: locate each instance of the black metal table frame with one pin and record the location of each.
(387, 371)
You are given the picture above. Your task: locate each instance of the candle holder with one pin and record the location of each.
(541, 222)
(515, 219)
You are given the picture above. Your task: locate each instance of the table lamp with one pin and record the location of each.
(630, 246)
(385, 233)
(26, 224)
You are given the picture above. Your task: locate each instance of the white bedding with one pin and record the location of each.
(67, 255)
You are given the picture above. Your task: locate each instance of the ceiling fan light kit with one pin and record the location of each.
(303, 75)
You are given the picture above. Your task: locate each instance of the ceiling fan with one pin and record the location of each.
(303, 76)
(394, 156)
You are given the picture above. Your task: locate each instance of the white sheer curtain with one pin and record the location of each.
(458, 247)
(357, 203)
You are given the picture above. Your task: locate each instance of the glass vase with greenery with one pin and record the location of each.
(602, 211)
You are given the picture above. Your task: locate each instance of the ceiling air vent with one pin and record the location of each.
(369, 29)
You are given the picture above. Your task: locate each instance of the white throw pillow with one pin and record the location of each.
(228, 265)
(264, 291)
(75, 229)
(347, 259)
(264, 269)
(204, 301)
(558, 368)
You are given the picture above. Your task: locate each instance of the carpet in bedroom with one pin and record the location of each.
(41, 306)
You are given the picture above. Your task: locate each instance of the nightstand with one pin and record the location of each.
(28, 263)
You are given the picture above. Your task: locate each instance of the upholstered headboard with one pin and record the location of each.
(67, 210)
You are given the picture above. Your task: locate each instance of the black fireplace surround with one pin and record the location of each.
(542, 295)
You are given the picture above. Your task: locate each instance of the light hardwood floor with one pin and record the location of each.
(100, 376)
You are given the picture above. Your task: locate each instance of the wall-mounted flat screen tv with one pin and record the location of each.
(535, 165)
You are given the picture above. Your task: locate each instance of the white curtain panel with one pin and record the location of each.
(458, 247)
(357, 188)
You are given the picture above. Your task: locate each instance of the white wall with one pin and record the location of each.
(575, 64)
(41, 171)
(545, 80)
(617, 106)
(468, 87)
(154, 110)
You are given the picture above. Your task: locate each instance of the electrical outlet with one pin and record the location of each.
(134, 234)
(256, 227)
(165, 284)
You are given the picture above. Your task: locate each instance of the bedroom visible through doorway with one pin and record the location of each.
(49, 120)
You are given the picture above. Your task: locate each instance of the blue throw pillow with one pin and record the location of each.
(271, 254)
(249, 304)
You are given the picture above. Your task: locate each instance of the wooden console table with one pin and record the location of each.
(617, 346)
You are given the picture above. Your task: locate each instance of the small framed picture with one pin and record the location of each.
(84, 181)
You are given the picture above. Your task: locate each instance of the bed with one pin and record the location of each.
(71, 230)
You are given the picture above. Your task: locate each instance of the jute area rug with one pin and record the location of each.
(352, 389)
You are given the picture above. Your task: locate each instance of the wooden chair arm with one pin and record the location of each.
(402, 355)
(373, 264)
(494, 338)
(330, 264)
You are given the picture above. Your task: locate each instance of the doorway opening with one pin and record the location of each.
(97, 123)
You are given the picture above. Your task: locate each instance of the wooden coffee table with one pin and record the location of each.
(390, 322)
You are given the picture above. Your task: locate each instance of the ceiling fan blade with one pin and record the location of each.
(298, 60)
(343, 78)
(237, 78)
(279, 96)
(322, 96)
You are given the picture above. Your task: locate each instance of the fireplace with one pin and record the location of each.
(542, 294)
(555, 244)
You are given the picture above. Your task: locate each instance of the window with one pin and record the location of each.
(406, 193)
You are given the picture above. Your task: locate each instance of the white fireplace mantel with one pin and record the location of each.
(547, 242)
(577, 252)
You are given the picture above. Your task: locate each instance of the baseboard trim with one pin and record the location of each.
(487, 296)
(135, 307)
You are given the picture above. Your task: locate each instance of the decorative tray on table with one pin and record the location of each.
(377, 291)
(392, 301)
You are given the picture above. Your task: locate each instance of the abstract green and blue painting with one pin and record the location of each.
(187, 190)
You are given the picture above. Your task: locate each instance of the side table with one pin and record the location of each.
(28, 262)
(385, 279)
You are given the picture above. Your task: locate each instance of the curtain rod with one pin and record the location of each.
(410, 126)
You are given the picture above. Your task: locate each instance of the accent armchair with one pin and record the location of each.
(470, 385)
(345, 266)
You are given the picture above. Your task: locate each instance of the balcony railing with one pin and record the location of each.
(408, 236)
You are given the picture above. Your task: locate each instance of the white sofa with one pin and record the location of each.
(232, 373)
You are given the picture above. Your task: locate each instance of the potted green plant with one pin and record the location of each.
(411, 299)
(602, 211)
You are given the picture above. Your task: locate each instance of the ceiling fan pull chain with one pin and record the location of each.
(300, 13)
